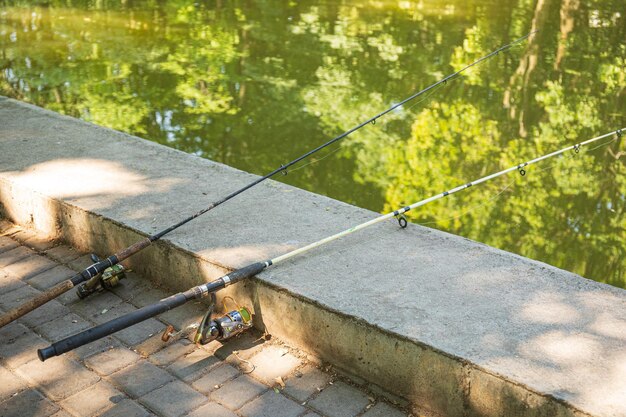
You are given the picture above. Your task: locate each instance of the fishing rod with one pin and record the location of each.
(91, 276)
(204, 290)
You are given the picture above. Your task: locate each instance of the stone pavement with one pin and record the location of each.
(133, 373)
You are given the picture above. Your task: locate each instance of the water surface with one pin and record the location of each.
(254, 84)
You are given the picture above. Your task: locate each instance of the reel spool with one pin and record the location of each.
(109, 279)
(221, 328)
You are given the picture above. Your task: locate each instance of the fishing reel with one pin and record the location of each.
(109, 279)
(220, 328)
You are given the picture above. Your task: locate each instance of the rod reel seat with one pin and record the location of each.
(107, 280)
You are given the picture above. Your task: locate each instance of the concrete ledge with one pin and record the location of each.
(454, 326)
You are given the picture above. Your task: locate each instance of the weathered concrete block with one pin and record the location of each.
(215, 378)
(28, 403)
(173, 400)
(310, 382)
(340, 400)
(111, 360)
(48, 376)
(93, 400)
(141, 378)
(272, 404)
(234, 394)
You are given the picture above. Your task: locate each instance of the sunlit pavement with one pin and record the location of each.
(134, 373)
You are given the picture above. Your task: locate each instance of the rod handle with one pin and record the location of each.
(112, 326)
(33, 303)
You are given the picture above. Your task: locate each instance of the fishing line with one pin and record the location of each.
(93, 277)
(511, 184)
(204, 290)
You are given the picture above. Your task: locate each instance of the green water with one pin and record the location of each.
(254, 84)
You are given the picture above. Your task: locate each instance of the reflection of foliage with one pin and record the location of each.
(237, 81)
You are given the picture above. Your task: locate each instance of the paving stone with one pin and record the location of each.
(185, 315)
(216, 377)
(11, 384)
(7, 244)
(148, 295)
(40, 243)
(14, 255)
(173, 399)
(132, 285)
(340, 400)
(133, 335)
(193, 366)
(151, 345)
(126, 408)
(30, 266)
(58, 377)
(28, 403)
(51, 277)
(96, 305)
(234, 394)
(80, 263)
(172, 352)
(62, 327)
(311, 381)
(272, 404)
(9, 283)
(311, 414)
(61, 413)
(272, 362)
(63, 254)
(17, 297)
(93, 400)
(69, 297)
(392, 398)
(12, 331)
(141, 378)
(212, 409)
(45, 313)
(93, 348)
(20, 349)
(111, 360)
(384, 410)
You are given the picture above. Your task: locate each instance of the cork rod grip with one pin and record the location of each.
(33, 303)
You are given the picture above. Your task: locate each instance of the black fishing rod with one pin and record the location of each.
(92, 273)
(251, 270)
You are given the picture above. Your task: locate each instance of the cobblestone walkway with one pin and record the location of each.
(133, 373)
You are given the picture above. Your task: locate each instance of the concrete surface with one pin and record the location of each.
(147, 378)
(454, 326)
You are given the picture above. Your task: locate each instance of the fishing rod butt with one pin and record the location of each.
(112, 326)
(46, 353)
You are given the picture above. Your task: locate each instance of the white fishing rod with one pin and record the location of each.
(251, 270)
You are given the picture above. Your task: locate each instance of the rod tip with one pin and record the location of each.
(46, 353)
